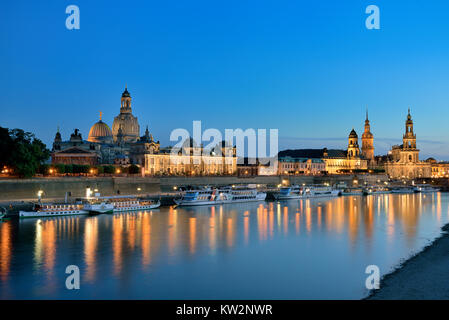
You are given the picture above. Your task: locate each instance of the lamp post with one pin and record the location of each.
(39, 195)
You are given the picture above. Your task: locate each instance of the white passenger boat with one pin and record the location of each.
(288, 193)
(131, 203)
(53, 210)
(98, 206)
(373, 190)
(425, 188)
(319, 192)
(214, 196)
(352, 192)
(403, 190)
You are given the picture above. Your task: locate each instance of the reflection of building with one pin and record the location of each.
(192, 160)
(405, 158)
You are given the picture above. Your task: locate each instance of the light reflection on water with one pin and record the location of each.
(315, 248)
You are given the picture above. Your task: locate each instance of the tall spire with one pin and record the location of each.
(101, 115)
(366, 113)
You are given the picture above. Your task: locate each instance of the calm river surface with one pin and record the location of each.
(299, 249)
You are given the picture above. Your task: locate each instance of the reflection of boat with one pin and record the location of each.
(402, 190)
(131, 203)
(287, 193)
(209, 196)
(98, 206)
(376, 190)
(53, 210)
(425, 188)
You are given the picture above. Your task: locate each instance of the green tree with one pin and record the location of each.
(43, 169)
(109, 169)
(60, 168)
(133, 169)
(22, 151)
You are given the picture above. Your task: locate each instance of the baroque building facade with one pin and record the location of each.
(192, 160)
(404, 159)
(121, 145)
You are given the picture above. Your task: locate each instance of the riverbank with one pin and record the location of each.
(424, 276)
(56, 187)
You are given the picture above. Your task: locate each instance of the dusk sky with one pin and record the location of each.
(307, 68)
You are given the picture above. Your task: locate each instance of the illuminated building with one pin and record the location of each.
(192, 160)
(368, 142)
(405, 161)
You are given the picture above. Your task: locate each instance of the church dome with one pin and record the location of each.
(126, 93)
(100, 132)
(353, 134)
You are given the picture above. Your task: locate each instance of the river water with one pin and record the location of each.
(298, 249)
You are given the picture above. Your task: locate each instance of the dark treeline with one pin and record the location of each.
(21, 152)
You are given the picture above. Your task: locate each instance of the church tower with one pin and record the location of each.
(367, 141)
(409, 138)
(126, 121)
(353, 145)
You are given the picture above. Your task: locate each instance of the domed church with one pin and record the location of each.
(121, 145)
(100, 132)
(126, 121)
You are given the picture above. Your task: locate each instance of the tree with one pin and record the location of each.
(133, 169)
(22, 151)
(109, 169)
(60, 168)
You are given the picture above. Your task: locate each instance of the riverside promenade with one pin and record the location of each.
(56, 187)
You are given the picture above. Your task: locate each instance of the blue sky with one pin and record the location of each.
(308, 68)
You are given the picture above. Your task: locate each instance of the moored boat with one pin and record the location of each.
(131, 203)
(402, 190)
(41, 210)
(288, 193)
(373, 190)
(98, 206)
(318, 191)
(424, 188)
(352, 192)
(214, 196)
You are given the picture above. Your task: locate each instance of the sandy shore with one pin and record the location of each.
(424, 276)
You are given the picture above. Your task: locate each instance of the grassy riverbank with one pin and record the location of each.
(423, 276)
